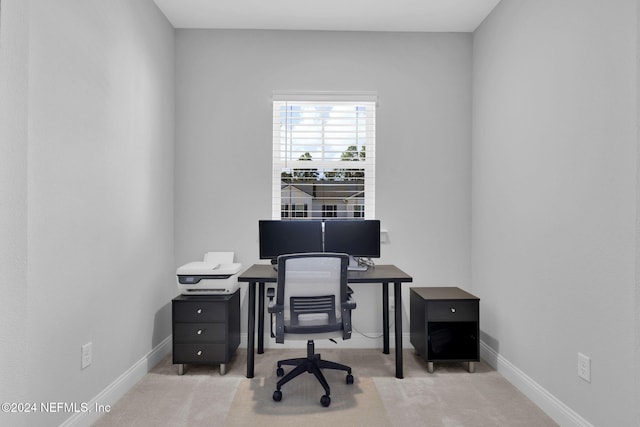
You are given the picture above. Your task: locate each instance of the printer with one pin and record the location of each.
(216, 275)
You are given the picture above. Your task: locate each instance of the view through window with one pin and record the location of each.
(324, 157)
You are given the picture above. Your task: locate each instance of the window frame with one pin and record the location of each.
(366, 158)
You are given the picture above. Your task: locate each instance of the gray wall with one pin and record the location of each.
(554, 197)
(88, 180)
(13, 199)
(90, 176)
(224, 86)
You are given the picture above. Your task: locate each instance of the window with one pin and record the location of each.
(329, 211)
(299, 210)
(324, 155)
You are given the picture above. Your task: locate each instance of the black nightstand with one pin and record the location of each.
(206, 329)
(445, 325)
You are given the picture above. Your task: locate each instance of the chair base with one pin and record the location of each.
(312, 364)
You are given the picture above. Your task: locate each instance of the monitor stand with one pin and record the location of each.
(354, 266)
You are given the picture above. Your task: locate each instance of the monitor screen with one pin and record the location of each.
(358, 238)
(288, 237)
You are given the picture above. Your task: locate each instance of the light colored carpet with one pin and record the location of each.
(357, 405)
(163, 398)
(460, 399)
(450, 397)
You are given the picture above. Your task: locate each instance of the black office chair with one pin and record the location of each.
(312, 302)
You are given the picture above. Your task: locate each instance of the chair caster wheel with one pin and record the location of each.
(277, 395)
(325, 401)
(280, 372)
(349, 379)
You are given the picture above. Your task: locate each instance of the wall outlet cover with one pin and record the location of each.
(584, 367)
(87, 354)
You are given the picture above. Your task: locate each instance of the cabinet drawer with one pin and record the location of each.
(452, 311)
(199, 353)
(205, 311)
(199, 332)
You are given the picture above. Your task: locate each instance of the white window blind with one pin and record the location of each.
(324, 155)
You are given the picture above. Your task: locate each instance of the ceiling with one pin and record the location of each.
(329, 15)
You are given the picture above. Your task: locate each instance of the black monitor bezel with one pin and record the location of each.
(368, 227)
(286, 230)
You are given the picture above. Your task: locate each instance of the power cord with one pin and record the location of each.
(365, 261)
(353, 326)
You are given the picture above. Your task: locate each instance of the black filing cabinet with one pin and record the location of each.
(206, 329)
(445, 325)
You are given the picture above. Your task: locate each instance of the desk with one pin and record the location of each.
(384, 274)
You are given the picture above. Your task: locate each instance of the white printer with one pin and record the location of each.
(216, 275)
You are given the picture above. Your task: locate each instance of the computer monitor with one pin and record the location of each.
(289, 236)
(358, 238)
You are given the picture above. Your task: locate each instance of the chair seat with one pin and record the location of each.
(314, 337)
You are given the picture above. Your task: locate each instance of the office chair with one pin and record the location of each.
(312, 302)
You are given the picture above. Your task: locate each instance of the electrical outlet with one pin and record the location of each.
(87, 354)
(584, 367)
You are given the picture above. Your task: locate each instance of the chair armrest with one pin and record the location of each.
(349, 304)
(274, 308)
(271, 308)
(277, 310)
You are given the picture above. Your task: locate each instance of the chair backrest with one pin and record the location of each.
(312, 288)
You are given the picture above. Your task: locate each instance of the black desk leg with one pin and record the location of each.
(397, 294)
(251, 328)
(261, 318)
(385, 317)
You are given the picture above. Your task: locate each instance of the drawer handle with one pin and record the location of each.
(199, 311)
(199, 353)
(199, 332)
(453, 309)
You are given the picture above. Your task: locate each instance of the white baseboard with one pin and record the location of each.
(121, 385)
(131, 376)
(556, 409)
(551, 405)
